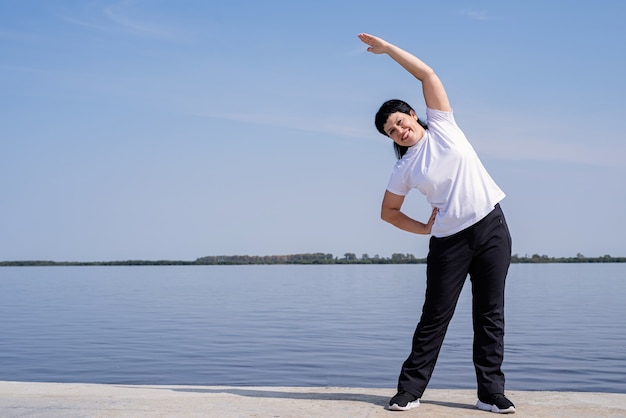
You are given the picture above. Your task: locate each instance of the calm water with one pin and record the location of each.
(299, 326)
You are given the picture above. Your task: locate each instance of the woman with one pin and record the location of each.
(469, 233)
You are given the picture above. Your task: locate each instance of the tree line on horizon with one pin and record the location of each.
(307, 258)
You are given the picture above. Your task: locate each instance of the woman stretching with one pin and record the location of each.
(469, 235)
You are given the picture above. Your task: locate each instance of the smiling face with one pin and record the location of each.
(404, 129)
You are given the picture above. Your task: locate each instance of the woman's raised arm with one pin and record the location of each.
(432, 87)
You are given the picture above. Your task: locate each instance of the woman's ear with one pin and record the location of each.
(413, 114)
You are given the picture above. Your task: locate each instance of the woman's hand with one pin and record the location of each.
(376, 45)
(431, 221)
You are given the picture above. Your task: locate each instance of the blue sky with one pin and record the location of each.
(180, 129)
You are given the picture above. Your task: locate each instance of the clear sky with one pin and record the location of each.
(181, 129)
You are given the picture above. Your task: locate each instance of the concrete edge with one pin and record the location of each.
(39, 399)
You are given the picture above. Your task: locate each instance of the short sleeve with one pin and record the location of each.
(397, 184)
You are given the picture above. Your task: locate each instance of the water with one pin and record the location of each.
(338, 325)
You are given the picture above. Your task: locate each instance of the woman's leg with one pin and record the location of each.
(488, 274)
(447, 268)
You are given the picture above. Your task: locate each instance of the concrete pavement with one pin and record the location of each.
(67, 400)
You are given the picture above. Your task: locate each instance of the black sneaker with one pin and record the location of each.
(497, 403)
(403, 401)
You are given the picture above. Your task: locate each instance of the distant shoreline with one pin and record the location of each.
(304, 259)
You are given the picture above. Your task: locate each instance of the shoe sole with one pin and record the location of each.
(410, 405)
(492, 408)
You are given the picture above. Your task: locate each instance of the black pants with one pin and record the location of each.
(484, 252)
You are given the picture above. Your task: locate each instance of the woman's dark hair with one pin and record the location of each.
(388, 108)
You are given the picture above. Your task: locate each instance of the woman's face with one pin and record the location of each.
(404, 129)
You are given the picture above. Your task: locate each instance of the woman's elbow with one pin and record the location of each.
(386, 214)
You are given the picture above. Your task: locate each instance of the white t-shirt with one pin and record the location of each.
(444, 167)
